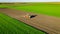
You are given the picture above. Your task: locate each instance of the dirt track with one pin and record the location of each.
(46, 23)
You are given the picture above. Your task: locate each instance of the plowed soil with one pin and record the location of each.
(46, 23)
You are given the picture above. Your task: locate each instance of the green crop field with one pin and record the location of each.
(51, 9)
(47, 9)
(10, 25)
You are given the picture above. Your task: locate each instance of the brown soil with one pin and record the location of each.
(46, 23)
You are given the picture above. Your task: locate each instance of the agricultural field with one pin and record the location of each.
(10, 25)
(49, 13)
(47, 9)
(51, 9)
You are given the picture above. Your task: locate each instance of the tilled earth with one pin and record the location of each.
(46, 23)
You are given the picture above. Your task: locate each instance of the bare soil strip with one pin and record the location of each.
(46, 23)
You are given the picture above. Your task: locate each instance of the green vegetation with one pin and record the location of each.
(9, 25)
(51, 9)
(48, 9)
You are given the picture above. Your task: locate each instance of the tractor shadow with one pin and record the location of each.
(33, 16)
